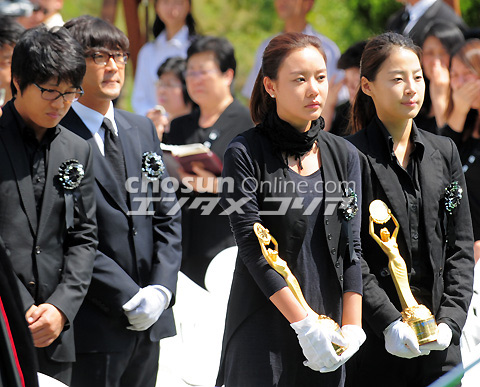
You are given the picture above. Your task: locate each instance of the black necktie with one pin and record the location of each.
(404, 19)
(114, 155)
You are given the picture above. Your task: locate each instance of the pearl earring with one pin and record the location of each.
(272, 95)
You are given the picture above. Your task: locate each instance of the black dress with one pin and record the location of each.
(260, 348)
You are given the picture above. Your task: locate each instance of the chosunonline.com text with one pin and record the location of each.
(149, 195)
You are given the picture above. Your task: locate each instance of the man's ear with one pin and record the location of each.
(17, 86)
(366, 86)
(269, 86)
(229, 75)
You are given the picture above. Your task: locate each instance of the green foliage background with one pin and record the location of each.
(247, 22)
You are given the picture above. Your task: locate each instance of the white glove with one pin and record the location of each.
(444, 338)
(316, 342)
(401, 341)
(145, 307)
(355, 337)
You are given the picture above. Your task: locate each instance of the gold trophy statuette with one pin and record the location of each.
(417, 316)
(271, 255)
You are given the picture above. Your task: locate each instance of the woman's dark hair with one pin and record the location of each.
(159, 26)
(41, 55)
(275, 53)
(177, 66)
(221, 48)
(376, 52)
(469, 55)
(94, 33)
(352, 56)
(451, 38)
(447, 33)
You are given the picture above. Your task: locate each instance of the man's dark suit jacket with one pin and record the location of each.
(12, 318)
(134, 250)
(53, 264)
(452, 267)
(439, 11)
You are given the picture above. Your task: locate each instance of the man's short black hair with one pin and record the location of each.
(352, 55)
(41, 55)
(94, 33)
(221, 48)
(10, 31)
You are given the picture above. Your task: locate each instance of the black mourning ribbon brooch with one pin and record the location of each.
(71, 174)
(453, 195)
(349, 208)
(152, 166)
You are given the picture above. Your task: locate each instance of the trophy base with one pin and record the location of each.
(421, 320)
(331, 324)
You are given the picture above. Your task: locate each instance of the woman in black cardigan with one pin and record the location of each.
(300, 183)
(419, 176)
(463, 124)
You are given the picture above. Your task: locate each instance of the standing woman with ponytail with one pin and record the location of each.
(300, 183)
(419, 177)
(174, 31)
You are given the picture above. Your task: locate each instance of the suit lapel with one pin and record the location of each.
(103, 171)
(425, 19)
(132, 151)
(430, 174)
(104, 177)
(56, 156)
(388, 181)
(16, 152)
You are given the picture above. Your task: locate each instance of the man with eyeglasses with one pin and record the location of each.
(127, 308)
(47, 204)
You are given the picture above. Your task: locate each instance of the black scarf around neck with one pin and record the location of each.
(286, 139)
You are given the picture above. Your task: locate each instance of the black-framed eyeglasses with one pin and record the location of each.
(52, 95)
(102, 57)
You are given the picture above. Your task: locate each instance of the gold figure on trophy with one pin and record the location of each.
(417, 316)
(272, 257)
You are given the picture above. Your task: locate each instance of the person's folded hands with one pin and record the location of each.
(355, 337)
(145, 307)
(401, 341)
(316, 342)
(444, 338)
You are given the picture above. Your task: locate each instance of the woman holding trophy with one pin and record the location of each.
(300, 183)
(418, 279)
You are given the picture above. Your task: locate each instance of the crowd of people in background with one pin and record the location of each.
(92, 237)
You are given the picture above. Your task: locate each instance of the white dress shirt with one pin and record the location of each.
(150, 57)
(55, 20)
(415, 12)
(93, 121)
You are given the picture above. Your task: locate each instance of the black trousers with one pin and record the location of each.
(372, 365)
(135, 366)
(58, 370)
